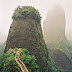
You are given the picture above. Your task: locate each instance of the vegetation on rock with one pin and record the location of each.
(66, 47)
(52, 66)
(26, 12)
(8, 64)
(25, 32)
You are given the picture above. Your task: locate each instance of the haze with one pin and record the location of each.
(7, 8)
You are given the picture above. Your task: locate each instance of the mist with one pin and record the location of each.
(36, 35)
(7, 8)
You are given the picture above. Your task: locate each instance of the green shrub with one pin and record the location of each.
(8, 63)
(51, 66)
(26, 12)
(16, 49)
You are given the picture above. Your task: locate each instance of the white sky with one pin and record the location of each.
(7, 8)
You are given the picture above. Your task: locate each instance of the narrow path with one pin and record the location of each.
(19, 62)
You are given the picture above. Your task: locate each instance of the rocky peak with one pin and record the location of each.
(25, 32)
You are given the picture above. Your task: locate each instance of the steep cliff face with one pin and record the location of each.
(61, 60)
(27, 33)
(54, 27)
(54, 36)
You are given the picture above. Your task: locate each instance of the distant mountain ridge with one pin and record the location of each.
(60, 49)
(69, 36)
(2, 38)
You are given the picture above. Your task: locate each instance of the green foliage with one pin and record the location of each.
(34, 35)
(51, 66)
(66, 47)
(16, 49)
(28, 60)
(26, 12)
(8, 63)
(69, 71)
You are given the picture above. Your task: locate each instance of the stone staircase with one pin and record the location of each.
(19, 62)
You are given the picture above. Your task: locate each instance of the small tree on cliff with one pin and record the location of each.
(26, 12)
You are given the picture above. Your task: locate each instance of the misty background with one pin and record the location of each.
(7, 8)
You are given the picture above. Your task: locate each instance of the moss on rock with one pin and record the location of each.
(27, 33)
(26, 12)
